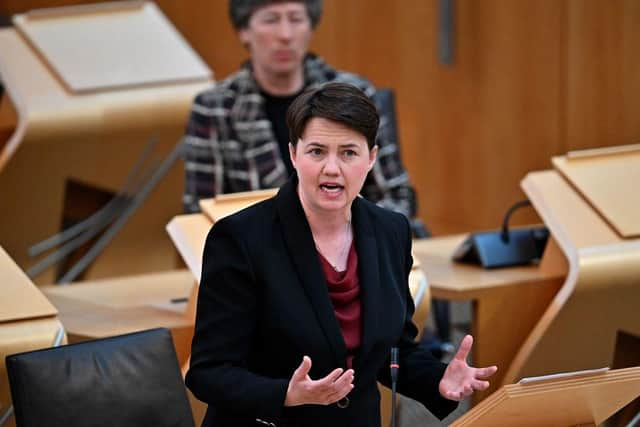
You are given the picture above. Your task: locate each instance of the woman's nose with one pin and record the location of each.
(331, 165)
(285, 29)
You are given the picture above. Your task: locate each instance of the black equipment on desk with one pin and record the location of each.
(504, 248)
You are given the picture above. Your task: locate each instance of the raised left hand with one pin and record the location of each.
(461, 380)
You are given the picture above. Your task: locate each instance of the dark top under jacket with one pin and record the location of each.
(264, 303)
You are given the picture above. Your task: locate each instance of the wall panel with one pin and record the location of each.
(603, 73)
(531, 79)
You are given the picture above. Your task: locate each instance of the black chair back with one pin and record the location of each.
(385, 101)
(127, 380)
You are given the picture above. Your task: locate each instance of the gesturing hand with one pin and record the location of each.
(303, 390)
(460, 379)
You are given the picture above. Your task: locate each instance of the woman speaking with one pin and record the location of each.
(303, 296)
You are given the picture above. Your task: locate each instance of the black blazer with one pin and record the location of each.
(263, 304)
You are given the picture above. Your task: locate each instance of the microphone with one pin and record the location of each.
(504, 235)
(394, 367)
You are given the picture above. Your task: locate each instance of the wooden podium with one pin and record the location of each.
(578, 308)
(570, 401)
(586, 204)
(28, 321)
(86, 87)
(506, 303)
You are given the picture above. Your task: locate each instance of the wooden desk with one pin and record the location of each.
(27, 320)
(506, 303)
(104, 308)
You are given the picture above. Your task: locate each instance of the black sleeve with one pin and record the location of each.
(225, 323)
(420, 372)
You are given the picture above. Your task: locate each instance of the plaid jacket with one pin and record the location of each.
(230, 146)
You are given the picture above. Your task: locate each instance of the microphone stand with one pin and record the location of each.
(394, 367)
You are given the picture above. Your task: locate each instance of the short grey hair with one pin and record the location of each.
(240, 11)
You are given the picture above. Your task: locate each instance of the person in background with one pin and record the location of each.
(236, 138)
(303, 296)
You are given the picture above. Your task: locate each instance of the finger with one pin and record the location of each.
(346, 378)
(328, 390)
(301, 372)
(326, 382)
(484, 373)
(453, 395)
(467, 390)
(465, 347)
(342, 386)
(479, 385)
(341, 393)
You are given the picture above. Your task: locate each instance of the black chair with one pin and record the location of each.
(386, 103)
(439, 344)
(127, 380)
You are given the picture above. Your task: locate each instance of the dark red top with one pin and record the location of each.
(344, 291)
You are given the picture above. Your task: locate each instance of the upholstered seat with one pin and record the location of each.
(126, 380)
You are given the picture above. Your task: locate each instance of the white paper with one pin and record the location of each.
(563, 375)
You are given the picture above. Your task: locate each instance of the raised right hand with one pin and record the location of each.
(325, 391)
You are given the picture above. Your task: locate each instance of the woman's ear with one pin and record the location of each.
(292, 154)
(243, 36)
(373, 155)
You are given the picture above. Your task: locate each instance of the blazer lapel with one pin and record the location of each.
(299, 240)
(368, 272)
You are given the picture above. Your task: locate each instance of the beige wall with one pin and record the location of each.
(531, 79)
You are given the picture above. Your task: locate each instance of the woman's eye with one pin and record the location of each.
(297, 19)
(349, 153)
(270, 19)
(315, 152)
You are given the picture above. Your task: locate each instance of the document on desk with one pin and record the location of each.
(563, 375)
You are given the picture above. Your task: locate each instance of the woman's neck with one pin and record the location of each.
(331, 232)
(279, 84)
(324, 224)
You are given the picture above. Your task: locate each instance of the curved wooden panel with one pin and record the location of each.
(92, 139)
(574, 400)
(601, 293)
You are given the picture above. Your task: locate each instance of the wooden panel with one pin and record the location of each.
(470, 130)
(227, 204)
(16, 337)
(507, 302)
(457, 281)
(531, 79)
(123, 305)
(20, 298)
(603, 73)
(569, 401)
(600, 295)
(90, 139)
(607, 178)
(163, 289)
(99, 47)
(189, 234)
(8, 118)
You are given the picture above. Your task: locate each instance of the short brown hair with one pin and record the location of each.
(337, 102)
(240, 11)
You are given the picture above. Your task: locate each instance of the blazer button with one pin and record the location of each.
(343, 403)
